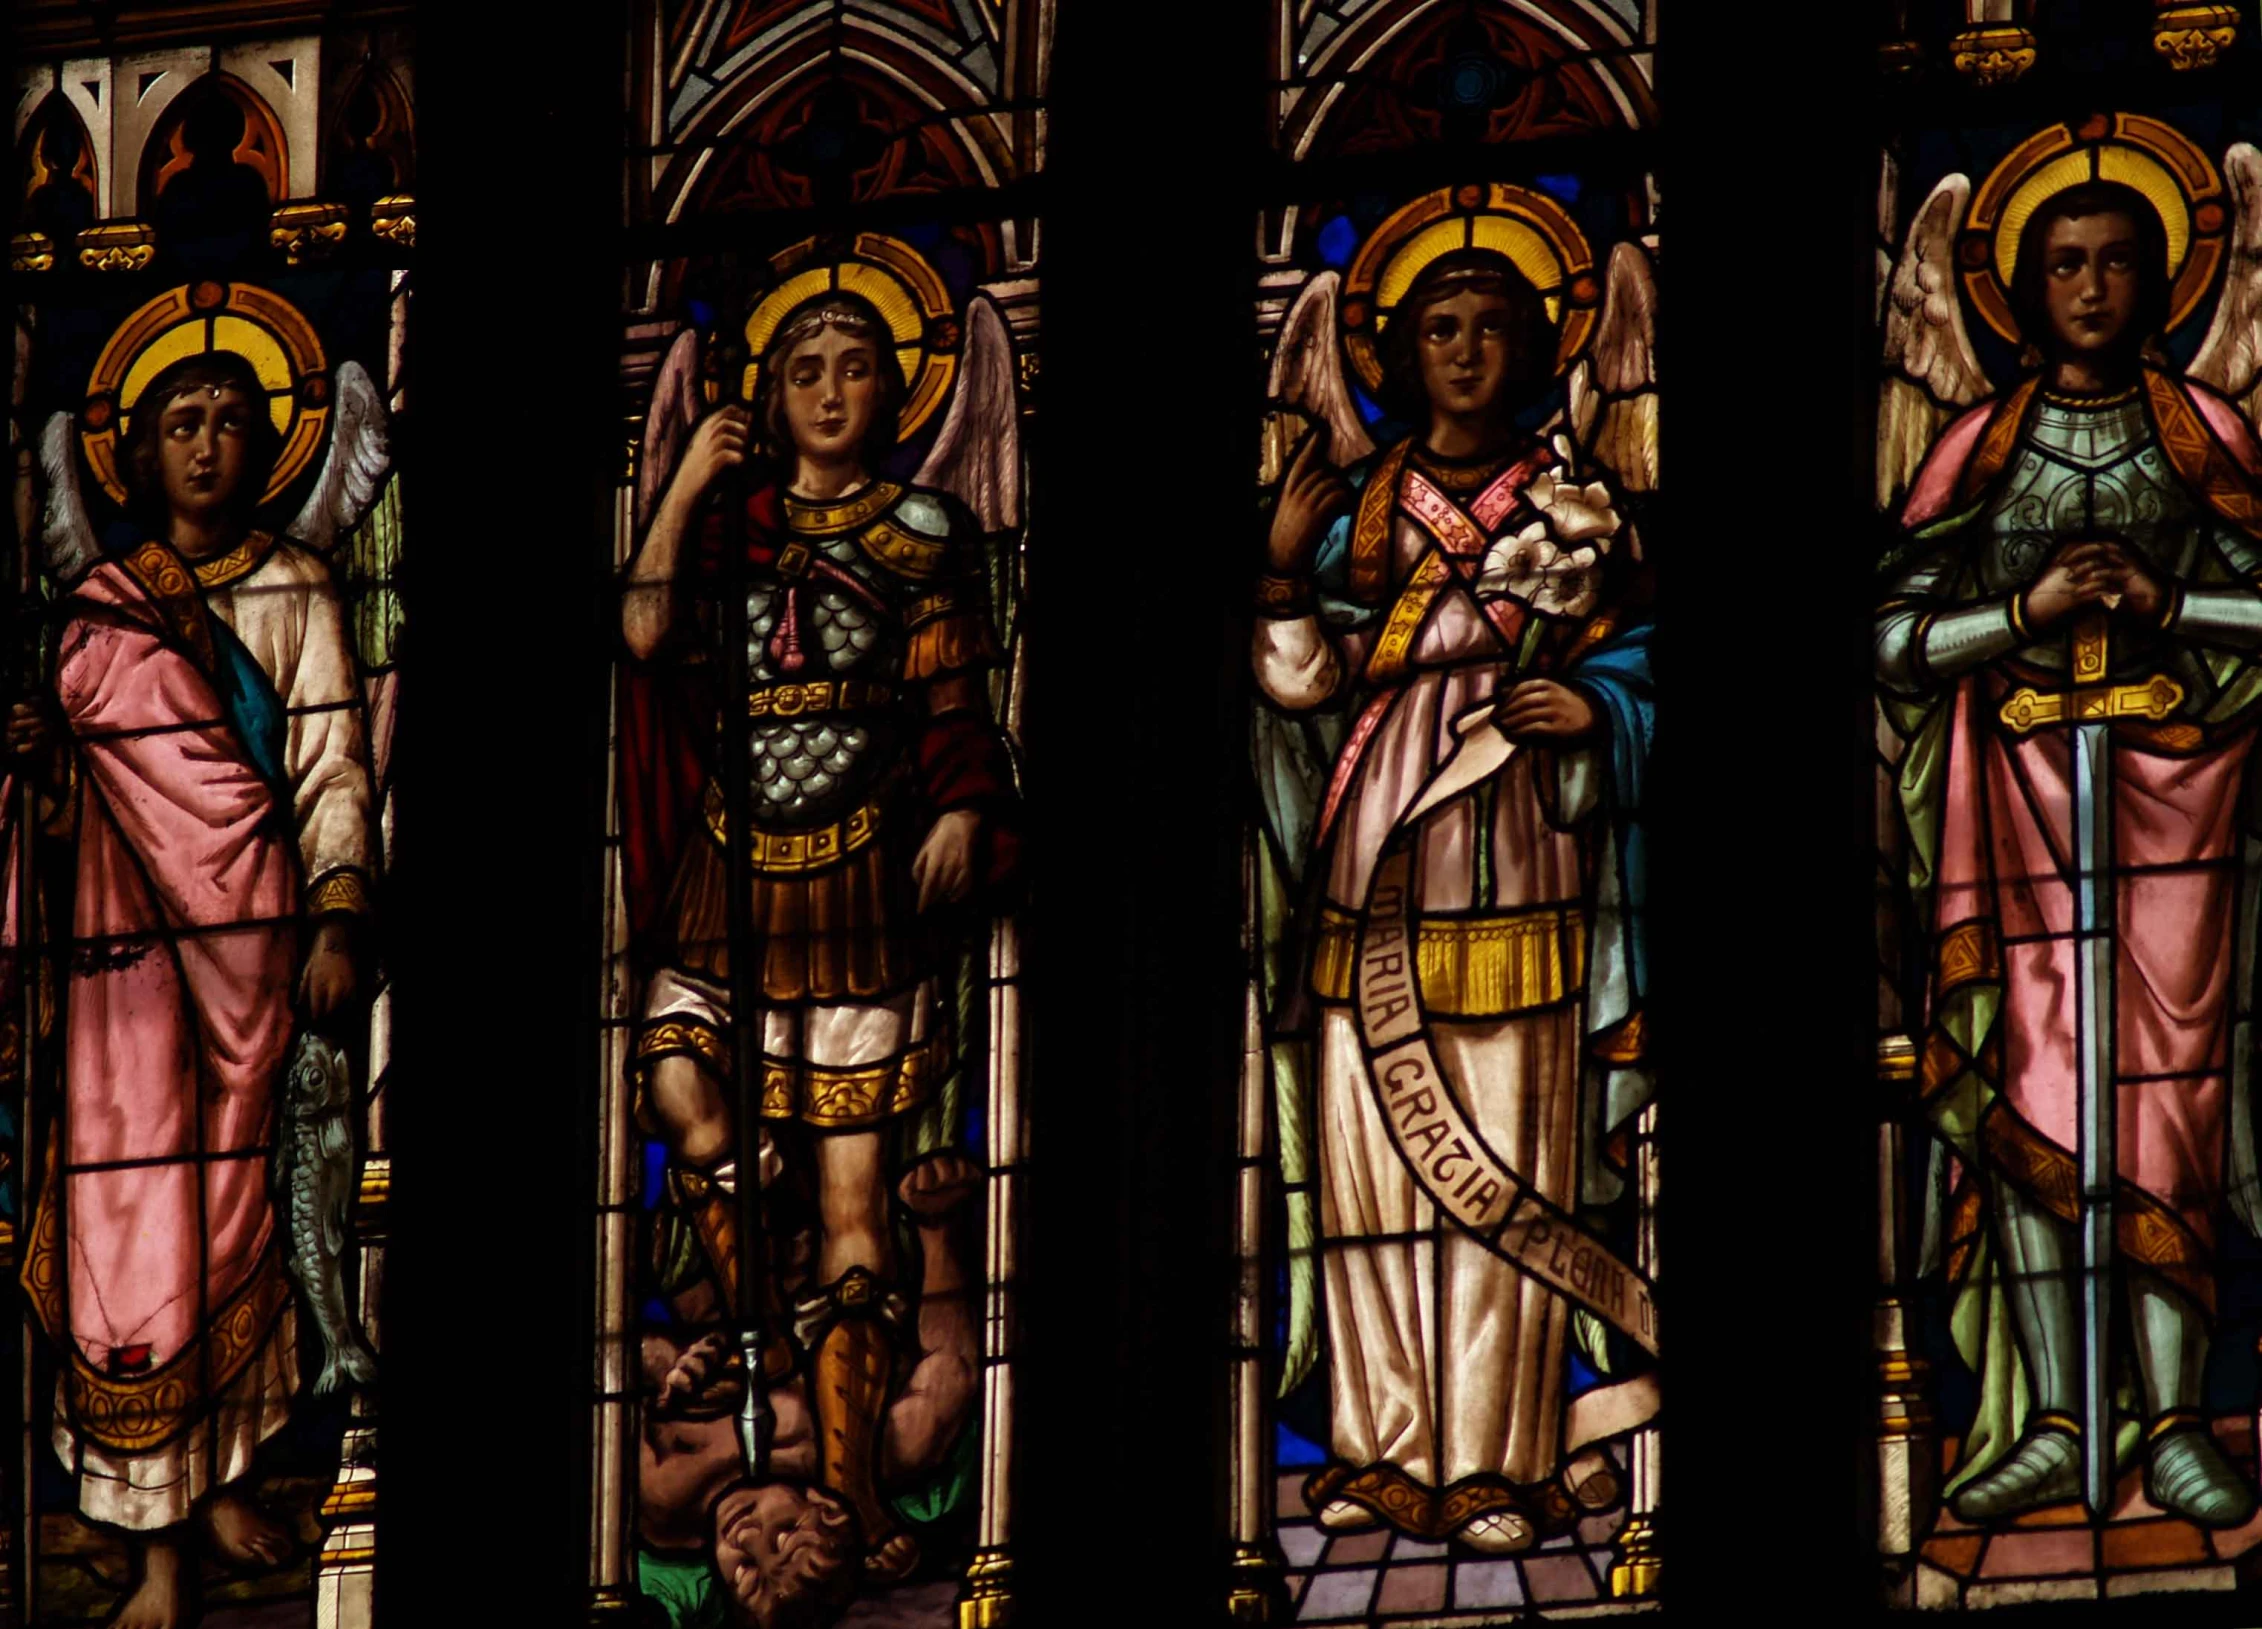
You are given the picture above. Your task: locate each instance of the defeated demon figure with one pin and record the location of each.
(786, 1549)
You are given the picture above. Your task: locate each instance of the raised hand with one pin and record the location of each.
(717, 445)
(1542, 710)
(1311, 495)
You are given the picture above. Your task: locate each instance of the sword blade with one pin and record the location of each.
(2094, 1112)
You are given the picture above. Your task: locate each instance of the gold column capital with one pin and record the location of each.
(1993, 56)
(989, 1592)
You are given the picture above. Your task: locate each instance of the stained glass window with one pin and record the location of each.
(813, 1103)
(1446, 1378)
(212, 246)
(2065, 633)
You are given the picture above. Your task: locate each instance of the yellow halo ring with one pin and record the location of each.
(268, 331)
(2148, 154)
(907, 292)
(1539, 238)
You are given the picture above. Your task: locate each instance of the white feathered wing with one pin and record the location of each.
(1305, 386)
(354, 471)
(1931, 371)
(2230, 357)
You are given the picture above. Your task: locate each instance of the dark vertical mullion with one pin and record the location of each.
(1763, 887)
(1135, 728)
(486, 1408)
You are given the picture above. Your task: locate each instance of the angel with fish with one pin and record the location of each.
(2066, 647)
(884, 830)
(1452, 647)
(204, 752)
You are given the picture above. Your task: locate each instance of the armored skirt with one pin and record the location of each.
(850, 1036)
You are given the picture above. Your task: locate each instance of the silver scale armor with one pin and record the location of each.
(2080, 471)
(807, 771)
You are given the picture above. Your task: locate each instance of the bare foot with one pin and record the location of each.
(156, 1600)
(937, 1185)
(240, 1535)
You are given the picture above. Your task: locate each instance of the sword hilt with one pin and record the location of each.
(2092, 647)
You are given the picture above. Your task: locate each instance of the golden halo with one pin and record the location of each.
(1530, 228)
(2156, 159)
(907, 293)
(262, 327)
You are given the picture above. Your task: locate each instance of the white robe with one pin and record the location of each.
(1445, 1361)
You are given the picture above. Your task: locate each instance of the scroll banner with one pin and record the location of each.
(1463, 1177)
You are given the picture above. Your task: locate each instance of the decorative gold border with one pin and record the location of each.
(1395, 252)
(1987, 250)
(897, 279)
(203, 302)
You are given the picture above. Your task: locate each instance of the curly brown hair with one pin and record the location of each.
(1532, 337)
(854, 315)
(138, 468)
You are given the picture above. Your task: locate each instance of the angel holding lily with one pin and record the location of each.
(1464, 618)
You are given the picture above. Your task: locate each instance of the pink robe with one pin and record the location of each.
(179, 1012)
(2005, 866)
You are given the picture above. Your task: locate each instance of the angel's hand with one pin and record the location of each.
(943, 869)
(29, 731)
(2141, 594)
(717, 445)
(1311, 495)
(2078, 575)
(1541, 709)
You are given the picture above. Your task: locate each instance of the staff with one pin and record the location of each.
(755, 1422)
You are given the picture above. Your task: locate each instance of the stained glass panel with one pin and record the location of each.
(1447, 1371)
(213, 246)
(813, 1118)
(2065, 633)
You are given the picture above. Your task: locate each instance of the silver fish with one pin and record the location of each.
(313, 1183)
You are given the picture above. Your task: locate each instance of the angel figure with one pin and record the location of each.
(884, 828)
(2065, 654)
(1452, 648)
(204, 753)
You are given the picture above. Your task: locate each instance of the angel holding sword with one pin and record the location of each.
(2066, 644)
(209, 753)
(883, 793)
(1471, 607)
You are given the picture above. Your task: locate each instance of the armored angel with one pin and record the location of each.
(883, 816)
(2065, 651)
(204, 752)
(1452, 647)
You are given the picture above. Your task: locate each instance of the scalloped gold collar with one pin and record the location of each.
(239, 562)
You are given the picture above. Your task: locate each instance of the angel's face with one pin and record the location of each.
(832, 394)
(203, 448)
(1464, 348)
(2092, 282)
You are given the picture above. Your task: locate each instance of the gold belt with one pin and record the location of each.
(792, 853)
(816, 696)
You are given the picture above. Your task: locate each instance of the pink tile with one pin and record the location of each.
(1412, 1589)
(1559, 1578)
(2040, 1552)
(1291, 1496)
(1348, 1548)
(1601, 1529)
(2233, 1542)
